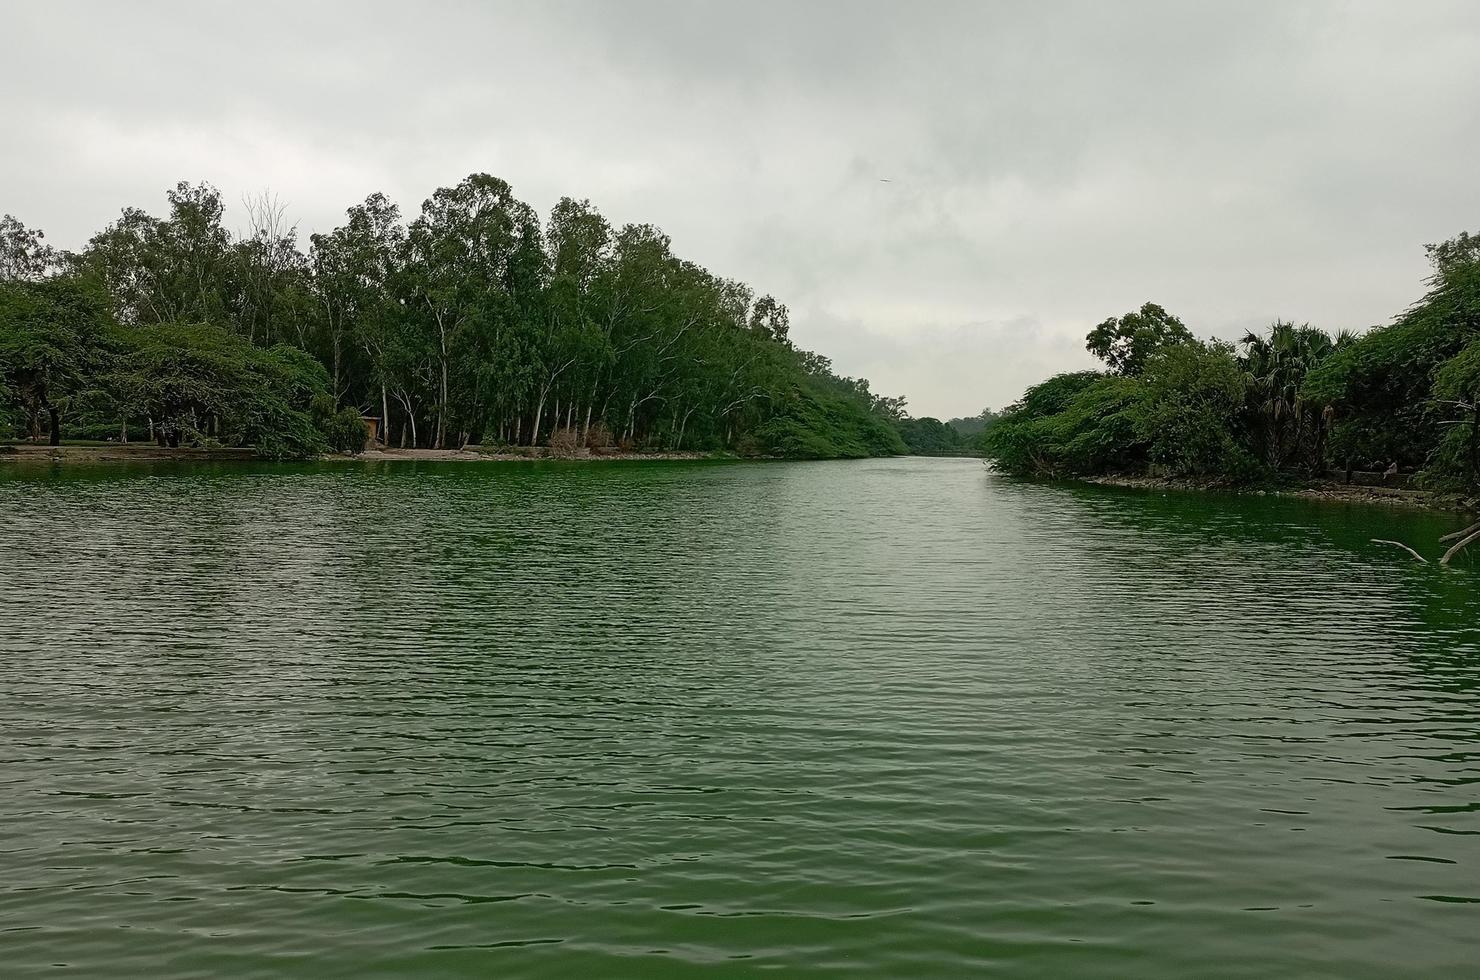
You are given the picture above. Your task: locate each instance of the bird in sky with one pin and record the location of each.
(886, 180)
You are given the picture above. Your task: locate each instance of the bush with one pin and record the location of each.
(1072, 423)
(817, 423)
(598, 436)
(346, 432)
(565, 441)
(342, 429)
(1189, 415)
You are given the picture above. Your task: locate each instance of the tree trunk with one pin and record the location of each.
(442, 409)
(337, 360)
(55, 419)
(539, 412)
(591, 404)
(385, 418)
(1475, 444)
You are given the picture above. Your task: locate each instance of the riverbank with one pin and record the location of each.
(1315, 490)
(150, 452)
(478, 454)
(116, 453)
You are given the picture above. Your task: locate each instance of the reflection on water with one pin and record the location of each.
(883, 718)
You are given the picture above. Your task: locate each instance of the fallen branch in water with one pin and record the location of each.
(1461, 533)
(1460, 544)
(1398, 544)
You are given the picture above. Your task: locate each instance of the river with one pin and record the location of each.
(872, 719)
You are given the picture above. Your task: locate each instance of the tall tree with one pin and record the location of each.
(1127, 342)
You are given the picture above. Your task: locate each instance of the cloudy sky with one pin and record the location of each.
(1049, 164)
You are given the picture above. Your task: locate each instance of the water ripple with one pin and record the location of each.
(880, 719)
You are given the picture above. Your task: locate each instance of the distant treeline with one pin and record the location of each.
(477, 322)
(1291, 400)
(958, 437)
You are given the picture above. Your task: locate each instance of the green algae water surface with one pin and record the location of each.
(897, 718)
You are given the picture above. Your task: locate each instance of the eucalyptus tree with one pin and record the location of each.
(354, 269)
(165, 270)
(270, 295)
(458, 260)
(578, 242)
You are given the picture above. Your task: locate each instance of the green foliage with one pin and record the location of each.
(1382, 388)
(197, 382)
(55, 337)
(931, 437)
(1455, 463)
(475, 323)
(971, 428)
(818, 421)
(24, 254)
(343, 430)
(1287, 428)
(1189, 412)
(1070, 424)
(1127, 342)
(1407, 394)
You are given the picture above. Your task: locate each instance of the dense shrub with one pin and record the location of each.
(343, 429)
(565, 441)
(598, 436)
(817, 423)
(1070, 424)
(1190, 409)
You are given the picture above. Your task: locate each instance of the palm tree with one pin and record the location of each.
(1275, 366)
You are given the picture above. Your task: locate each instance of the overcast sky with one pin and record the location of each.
(1049, 164)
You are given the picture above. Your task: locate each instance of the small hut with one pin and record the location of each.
(372, 428)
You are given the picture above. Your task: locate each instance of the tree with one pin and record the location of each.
(1275, 367)
(177, 269)
(1084, 422)
(459, 260)
(199, 382)
(1127, 342)
(930, 437)
(54, 340)
(477, 323)
(354, 269)
(1379, 388)
(1189, 411)
(24, 254)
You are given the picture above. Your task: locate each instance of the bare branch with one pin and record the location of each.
(1459, 546)
(1398, 544)
(1460, 533)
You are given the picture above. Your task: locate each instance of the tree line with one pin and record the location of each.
(475, 322)
(1290, 401)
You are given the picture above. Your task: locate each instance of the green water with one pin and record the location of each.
(891, 719)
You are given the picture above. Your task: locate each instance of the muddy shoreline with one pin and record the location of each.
(1315, 490)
